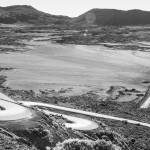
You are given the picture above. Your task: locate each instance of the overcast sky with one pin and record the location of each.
(76, 7)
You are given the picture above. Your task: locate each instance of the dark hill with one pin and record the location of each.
(28, 14)
(113, 17)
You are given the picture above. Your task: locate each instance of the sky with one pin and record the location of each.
(74, 8)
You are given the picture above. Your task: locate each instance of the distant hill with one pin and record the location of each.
(113, 17)
(28, 14)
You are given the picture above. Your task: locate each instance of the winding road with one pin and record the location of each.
(92, 114)
(16, 111)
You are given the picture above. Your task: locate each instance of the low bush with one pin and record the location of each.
(76, 144)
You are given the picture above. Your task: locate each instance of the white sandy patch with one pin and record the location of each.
(13, 111)
(77, 123)
(146, 104)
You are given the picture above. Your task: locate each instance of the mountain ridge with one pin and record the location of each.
(28, 14)
(99, 17)
(113, 17)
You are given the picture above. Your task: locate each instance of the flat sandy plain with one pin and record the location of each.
(77, 67)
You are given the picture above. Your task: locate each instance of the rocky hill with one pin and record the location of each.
(28, 14)
(100, 17)
(112, 17)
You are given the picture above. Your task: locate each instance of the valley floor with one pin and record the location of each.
(103, 77)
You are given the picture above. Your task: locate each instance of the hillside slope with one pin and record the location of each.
(28, 14)
(113, 17)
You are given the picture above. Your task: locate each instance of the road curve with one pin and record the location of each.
(13, 111)
(84, 113)
(4, 97)
(76, 122)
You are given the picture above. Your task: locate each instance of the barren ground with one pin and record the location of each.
(77, 68)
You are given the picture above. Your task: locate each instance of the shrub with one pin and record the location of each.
(77, 144)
